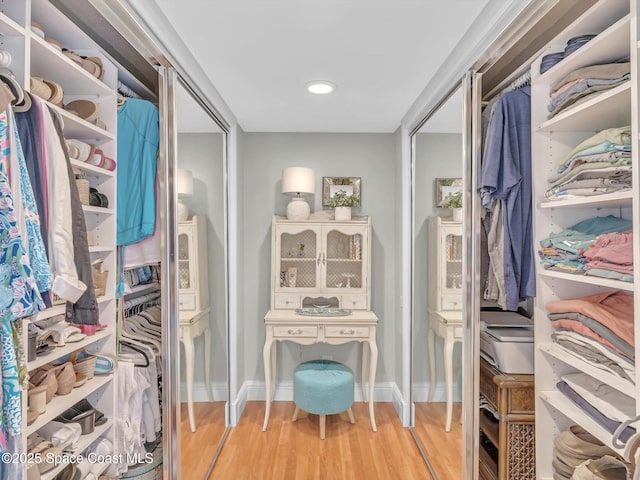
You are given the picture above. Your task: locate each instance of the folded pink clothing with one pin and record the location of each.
(612, 309)
(609, 266)
(613, 248)
(582, 329)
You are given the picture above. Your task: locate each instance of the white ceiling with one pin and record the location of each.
(259, 54)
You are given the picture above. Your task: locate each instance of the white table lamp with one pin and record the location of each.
(185, 189)
(298, 182)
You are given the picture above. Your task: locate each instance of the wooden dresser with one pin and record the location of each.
(507, 445)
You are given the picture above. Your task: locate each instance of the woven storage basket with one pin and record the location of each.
(100, 282)
(83, 188)
(86, 365)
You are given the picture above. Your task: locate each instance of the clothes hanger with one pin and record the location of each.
(127, 333)
(136, 349)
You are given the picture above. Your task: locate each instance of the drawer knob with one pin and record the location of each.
(347, 332)
(297, 331)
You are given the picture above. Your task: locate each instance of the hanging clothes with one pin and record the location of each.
(85, 309)
(66, 283)
(138, 143)
(29, 218)
(506, 177)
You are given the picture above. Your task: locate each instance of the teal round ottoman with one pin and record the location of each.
(323, 387)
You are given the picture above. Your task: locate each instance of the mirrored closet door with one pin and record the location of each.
(202, 291)
(437, 159)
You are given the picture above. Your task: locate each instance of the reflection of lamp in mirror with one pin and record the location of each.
(298, 182)
(185, 189)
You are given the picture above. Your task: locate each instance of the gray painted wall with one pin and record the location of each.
(374, 158)
(202, 153)
(437, 155)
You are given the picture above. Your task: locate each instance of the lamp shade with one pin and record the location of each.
(185, 183)
(298, 181)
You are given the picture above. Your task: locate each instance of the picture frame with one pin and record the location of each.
(331, 185)
(446, 187)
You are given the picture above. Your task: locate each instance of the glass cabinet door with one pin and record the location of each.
(184, 272)
(299, 259)
(452, 243)
(343, 260)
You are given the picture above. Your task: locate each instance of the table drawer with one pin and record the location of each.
(355, 302)
(296, 331)
(286, 301)
(346, 331)
(451, 302)
(187, 301)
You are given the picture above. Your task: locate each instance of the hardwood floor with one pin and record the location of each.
(197, 448)
(294, 451)
(444, 449)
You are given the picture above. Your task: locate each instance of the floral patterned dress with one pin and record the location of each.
(19, 297)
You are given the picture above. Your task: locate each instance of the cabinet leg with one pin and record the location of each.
(365, 352)
(207, 362)
(188, 355)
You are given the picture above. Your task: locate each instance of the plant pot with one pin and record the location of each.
(343, 213)
(457, 214)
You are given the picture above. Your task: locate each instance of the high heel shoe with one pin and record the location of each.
(37, 398)
(47, 378)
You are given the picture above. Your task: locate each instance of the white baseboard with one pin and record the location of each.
(219, 389)
(401, 406)
(383, 392)
(420, 392)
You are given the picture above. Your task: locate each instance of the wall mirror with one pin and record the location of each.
(202, 287)
(436, 390)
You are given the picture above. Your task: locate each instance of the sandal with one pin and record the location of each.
(65, 377)
(38, 447)
(63, 333)
(83, 406)
(62, 435)
(47, 378)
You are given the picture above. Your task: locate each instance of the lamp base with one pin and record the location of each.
(183, 211)
(298, 209)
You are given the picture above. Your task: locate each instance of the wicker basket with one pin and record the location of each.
(83, 188)
(86, 365)
(100, 282)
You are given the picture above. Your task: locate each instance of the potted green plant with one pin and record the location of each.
(454, 202)
(342, 202)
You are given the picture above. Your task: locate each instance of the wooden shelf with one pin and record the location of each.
(489, 428)
(51, 64)
(104, 211)
(565, 406)
(84, 443)
(560, 353)
(9, 28)
(621, 199)
(586, 279)
(610, 108)
(79, 128)
(60, 403)
(609, 46)
(99, 249)
(59, 352)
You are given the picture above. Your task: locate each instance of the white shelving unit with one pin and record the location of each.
(33, 56)
(615, 23)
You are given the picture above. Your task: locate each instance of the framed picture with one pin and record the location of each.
(331, 185)
(446, 187)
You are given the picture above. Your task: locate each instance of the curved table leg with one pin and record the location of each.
(266, 358)
(432, 363)
(365, 351)
(448, 374)
(372, 381)
(187, 341)
(207, 361)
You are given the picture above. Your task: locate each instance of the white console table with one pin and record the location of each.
(192, 325)
(359, 326)
(448, 325)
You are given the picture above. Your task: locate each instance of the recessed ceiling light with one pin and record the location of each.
(320, 87)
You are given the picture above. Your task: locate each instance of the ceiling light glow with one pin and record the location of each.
(320, 87)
